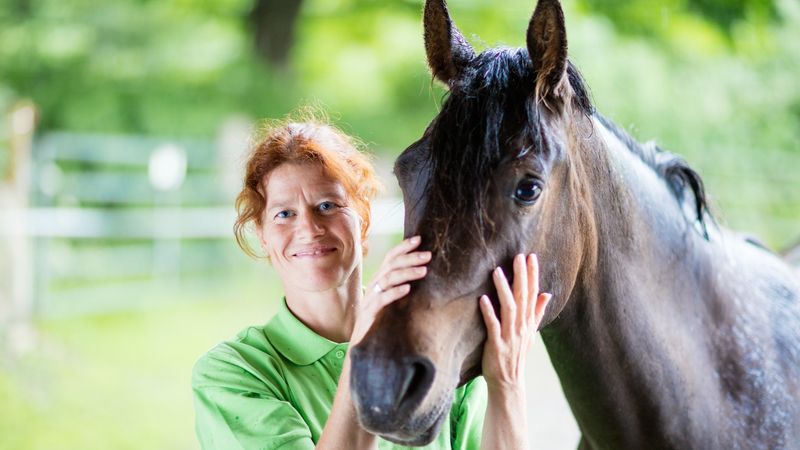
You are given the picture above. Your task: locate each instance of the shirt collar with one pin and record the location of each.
(292, 338)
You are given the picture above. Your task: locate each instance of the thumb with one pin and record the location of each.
(490, 319)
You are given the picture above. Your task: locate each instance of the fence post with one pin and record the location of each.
(16, 259)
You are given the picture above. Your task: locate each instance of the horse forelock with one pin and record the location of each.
(492, 104)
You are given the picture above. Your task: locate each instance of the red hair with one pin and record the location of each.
(309, 142)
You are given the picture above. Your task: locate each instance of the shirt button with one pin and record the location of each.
(339, 354)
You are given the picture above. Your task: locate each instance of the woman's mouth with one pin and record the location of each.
(314, 252)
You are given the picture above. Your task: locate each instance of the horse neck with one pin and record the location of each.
(637, 225)
(625, 311)
(636, 217)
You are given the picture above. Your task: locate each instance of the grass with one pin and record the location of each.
(121, 380)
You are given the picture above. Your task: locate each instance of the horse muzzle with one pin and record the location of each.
(389, 394)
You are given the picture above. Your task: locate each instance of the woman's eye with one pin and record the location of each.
(528, 191)
(327, 206)
(284, 214)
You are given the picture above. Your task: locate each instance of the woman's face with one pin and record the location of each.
(309, 232)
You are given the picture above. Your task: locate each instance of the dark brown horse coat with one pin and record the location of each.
(666, 330)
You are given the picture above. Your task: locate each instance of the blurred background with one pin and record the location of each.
(122, 135)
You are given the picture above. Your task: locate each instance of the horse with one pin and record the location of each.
(666, 330)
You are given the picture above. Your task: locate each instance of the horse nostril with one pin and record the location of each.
(416, 383)
(387, 391)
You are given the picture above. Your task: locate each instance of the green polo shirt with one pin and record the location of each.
(273, 386)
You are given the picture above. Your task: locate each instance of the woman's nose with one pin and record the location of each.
(308, 225)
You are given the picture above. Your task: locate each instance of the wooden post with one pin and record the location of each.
(16, 249)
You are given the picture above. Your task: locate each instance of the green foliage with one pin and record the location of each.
(664, 18)
(138, 67)
(712, 80)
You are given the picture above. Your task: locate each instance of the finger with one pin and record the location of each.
(399, 276)
(533, 288)
(520, 288)
(490, 319)
(392, 295)
(530, 313)
(541, 304)
(508, 309)
(407, 260)
(533, 275)
(403, 247)
(399, 256)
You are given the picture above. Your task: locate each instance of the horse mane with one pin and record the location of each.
(673, 169)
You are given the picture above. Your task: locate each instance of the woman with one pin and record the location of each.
(286, 384)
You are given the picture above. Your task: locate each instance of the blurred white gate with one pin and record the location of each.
(110, 218)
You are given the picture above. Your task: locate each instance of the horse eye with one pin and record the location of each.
(528, 191)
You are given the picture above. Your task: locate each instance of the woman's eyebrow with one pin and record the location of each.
(334, 194)
(276, 204)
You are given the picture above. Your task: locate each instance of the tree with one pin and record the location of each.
(273, 26)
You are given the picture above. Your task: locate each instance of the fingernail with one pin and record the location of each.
(421, 270)
(405, 287)
(414, 239)
(424, 255)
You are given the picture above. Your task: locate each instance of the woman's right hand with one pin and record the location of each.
(400, 266)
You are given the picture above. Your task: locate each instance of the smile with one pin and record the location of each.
(314, 252)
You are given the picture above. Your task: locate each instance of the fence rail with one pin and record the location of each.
(155, 223)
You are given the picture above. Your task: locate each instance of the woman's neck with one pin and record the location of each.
(329, 313)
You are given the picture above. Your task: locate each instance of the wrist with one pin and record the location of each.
(512, 394)
(506, 420)
(501, 377)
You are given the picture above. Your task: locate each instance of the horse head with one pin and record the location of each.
(491, 177)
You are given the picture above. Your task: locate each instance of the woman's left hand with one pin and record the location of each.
(521, 311)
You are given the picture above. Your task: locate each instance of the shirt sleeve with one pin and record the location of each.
(236, 410)
(467, 416)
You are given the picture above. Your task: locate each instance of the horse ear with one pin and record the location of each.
(547, 47)
(448, 51)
